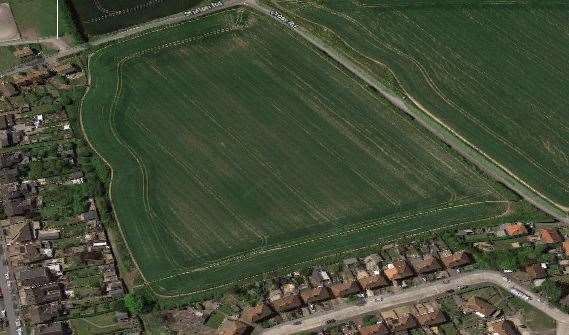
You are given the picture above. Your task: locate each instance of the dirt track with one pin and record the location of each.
(8, 28)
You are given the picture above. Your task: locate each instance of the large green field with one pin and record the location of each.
(105, 16)
(238, 150)
(493, 73)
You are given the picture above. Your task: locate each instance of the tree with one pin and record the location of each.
(134, 303)
(552, 290)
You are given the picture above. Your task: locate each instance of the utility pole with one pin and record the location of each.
(57, 21)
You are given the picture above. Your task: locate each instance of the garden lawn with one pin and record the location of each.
(238, 151)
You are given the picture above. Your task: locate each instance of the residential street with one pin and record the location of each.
(419, 293)
(10, 299)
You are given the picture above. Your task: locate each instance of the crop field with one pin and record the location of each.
(237, 151)
(493, 73)
(105, 16)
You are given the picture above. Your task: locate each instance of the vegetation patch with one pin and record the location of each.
(238, 151)
(37, 19)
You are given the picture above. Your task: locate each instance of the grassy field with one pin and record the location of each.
(7, 58)
(498, 80)
(239, 151)
(36, 19)
(105, 16)
(100, 324)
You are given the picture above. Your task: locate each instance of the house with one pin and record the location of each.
(503, 327)
(535, 271)
(314, 295)
(65, 69)
(256, 314)
(515, 229)
(230, 327)
(34, 277)
(373, 282)
(319, 277)
(7, 121)
(457, 260)
(24, 235)
(565, 246)
(48, 235)
(403, 323)
(480, 307)
(44, 313)
(55, 328)
(398, 270)
(29, 253)
(287, 303)
(426, 265)
(42, 295)
(91, 257)
(8, 89)
(550, 236)
(372, 263)
(115, 289)
(377, 329)
(10, 160)
(23, 52)
(289, 288)
(432, 318)
(88, 216)
(345, 289)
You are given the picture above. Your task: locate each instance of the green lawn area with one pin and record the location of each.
(494, 73)
(239, 150)
(100, 324)
(510, 305)
(7, 59)
(39, 19)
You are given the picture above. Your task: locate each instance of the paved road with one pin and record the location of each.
(432, 123)
(8, 293)
(419, 293)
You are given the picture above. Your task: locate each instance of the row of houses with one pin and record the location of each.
(39, 269)
(360, 277)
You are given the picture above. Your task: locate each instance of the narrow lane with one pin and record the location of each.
(8, 292)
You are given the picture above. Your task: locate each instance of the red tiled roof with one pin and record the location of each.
(287, 303)
(377, 329)
(257, 313)
(373, 282)
(399, 270)
(550, 235)
(312, 295)
(341, 290)
(456, 260)
(516, 229)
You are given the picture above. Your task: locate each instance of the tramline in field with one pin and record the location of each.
(238, 150)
